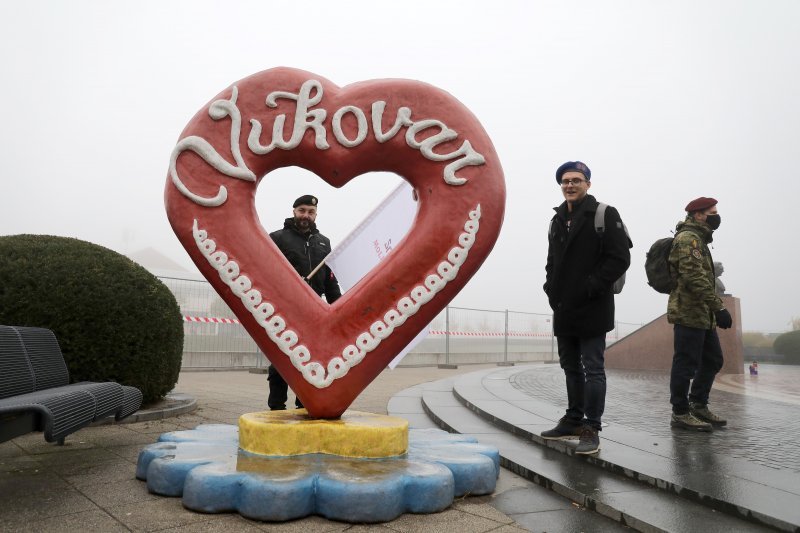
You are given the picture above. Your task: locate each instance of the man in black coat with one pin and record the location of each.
(582, 266)
(305, 248)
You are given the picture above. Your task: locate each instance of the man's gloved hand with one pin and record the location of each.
(724, 319)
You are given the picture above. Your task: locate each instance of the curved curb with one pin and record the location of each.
(179, 404)
(654, 477)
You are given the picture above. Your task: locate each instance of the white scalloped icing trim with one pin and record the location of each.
(286, 339)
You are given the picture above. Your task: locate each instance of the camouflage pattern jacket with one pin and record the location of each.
(694, 300)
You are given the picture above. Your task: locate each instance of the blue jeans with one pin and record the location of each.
(697, 360)
(582, 359)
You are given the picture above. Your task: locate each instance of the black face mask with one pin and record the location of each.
(713, 221)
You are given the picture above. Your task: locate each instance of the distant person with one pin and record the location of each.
(304, 247)
(696, 310)
(582, 266)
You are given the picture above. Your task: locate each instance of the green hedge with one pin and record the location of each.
(113, 319)
(788, 345)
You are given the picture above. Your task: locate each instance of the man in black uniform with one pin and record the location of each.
(304, 247)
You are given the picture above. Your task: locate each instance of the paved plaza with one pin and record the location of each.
(742, 477)
(762, 429)
(89, 484)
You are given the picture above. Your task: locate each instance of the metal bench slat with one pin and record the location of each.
(49, 368)
(16, 375)
(34, 383)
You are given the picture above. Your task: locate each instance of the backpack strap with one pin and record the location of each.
(600, 218)
(600, 223)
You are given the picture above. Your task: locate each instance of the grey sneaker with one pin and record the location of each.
(689, 421)
(589, 441)
(704, 413)
(566, 429)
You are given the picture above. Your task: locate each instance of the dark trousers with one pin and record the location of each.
(583, 363)
(697, 360)
(278, 391)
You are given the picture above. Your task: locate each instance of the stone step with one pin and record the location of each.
(733, 486)
(532, 506)
(614, 495)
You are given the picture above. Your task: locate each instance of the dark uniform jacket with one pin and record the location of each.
(581, 268)
(695, 299)
(304, 252)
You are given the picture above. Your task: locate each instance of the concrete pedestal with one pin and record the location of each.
(209, 470)
(651, 346)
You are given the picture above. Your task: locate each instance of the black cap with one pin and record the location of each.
(306, 199)
(577, 166)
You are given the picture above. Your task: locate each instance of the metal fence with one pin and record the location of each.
(213, 337)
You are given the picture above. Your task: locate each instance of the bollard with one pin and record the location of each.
(505, 345)
(447, 340)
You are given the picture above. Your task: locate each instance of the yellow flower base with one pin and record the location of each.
(293, 432)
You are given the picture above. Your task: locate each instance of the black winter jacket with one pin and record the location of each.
(305, 251)
(581, 268)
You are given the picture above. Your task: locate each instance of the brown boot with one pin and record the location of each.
(689, 421)
(703, 413)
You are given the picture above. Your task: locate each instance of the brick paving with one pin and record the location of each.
(89, 485)
(760, 429)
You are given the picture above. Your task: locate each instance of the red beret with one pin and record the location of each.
(700, 204)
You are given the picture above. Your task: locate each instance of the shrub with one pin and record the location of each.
(788, 345)
(755, 339)
(113, 319)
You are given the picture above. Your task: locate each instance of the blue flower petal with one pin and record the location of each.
(206, 467)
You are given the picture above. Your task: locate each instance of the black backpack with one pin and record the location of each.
(659, 275)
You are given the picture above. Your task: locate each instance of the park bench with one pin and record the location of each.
(35, 393)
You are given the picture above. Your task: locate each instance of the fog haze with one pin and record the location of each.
(664, 101)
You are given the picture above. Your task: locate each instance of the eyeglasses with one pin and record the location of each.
(566, 182)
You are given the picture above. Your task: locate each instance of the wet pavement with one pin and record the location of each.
(684, 481)
(760, 430)
(647, 475)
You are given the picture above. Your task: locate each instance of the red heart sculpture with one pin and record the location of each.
(281, 117)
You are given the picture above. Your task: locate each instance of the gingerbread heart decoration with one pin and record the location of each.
(284, 117)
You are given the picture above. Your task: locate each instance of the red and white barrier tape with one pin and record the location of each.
(218, 320)
(210, 319)
(488, 333)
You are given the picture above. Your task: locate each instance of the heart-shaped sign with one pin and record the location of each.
(282, 117)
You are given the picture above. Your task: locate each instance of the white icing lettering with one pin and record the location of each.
(337, 126)
(218, 110)
(471, 157)
(301, 120)
(305, 118)
(426, 147)
(403, 119)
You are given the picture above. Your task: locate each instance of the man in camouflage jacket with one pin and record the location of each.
(695, 310)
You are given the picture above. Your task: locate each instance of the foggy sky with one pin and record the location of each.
(664, 101)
